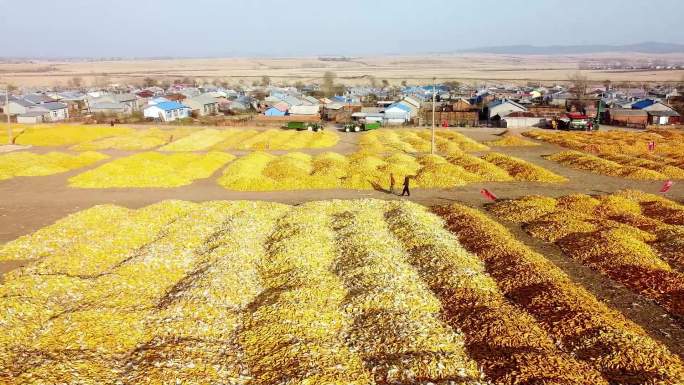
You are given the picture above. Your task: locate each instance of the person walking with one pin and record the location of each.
(407, 183)
(392, 183)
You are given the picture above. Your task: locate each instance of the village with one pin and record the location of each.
(456, 104)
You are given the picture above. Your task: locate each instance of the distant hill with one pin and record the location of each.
(647, 47)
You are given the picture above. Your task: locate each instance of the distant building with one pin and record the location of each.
(167, 111)
(203, 105)
(280, 109)
(32, 117)
(54, 111)
(503, 108)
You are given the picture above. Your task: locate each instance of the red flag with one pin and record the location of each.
(666, 186)
(488, 195)
(651, 146)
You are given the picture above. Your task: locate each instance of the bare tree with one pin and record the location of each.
(150, 82)
(75, 82)
(385, 83)
(373, 81)
(265, 81)
(404, 83)
(328, 86)
(580, 84)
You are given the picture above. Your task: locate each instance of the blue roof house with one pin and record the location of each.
(167, 111)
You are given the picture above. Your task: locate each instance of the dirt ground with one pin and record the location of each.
(30, 203)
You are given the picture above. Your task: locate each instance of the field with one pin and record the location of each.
(476, 68)
(194, 255)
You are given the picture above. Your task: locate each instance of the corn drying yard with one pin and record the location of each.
(196, 255)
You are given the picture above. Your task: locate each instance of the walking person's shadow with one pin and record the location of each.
(378, 187)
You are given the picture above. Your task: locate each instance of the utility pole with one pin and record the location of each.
(7, 112)
(434, 100)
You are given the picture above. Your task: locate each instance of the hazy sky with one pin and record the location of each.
(150, 28)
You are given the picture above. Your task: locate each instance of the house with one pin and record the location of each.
(55, 111)
(18, 106)
(202, 105)
(663, 118)
(503, 108)
(110, 108)
(167, 111)
(305, 110)
(397, 113)
(33, 117)
(280, 109)
(524, 120)
(121, 103)
(627, 117)
(38, 99)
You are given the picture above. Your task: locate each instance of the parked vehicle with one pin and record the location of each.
(356, 127)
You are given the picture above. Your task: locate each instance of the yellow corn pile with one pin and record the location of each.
(66, 135)
(152, 169)
(417, 141)
(522, 170)
(628, 236)
(135, 141)
(579, 324)
(24, 163)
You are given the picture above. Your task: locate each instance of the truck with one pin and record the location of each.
(302, 126)
(356, 127)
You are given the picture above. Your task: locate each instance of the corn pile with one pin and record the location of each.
(521, 170)
(152, 169)
(276, 139)
(628, 149)
(396, 326)
(363, 170)
(417, 141)
(628, 236)
(273, 139)
(506, 341)
(510, 140)
(66, 135)
(24, 163)
(577, 322)
(668, 142)
(605, 166)
(198, 141)
(336, 292)
(135, 141)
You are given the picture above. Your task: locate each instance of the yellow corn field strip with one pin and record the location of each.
(613, 234)
(620, 153)
(417, 141)
(24, 163)
(510, 140)
(521, 170)
(396, 327)
(273, 139)
(135, 141)
(198, 141)
(276, 139)
(668, 142)
(298, 171)
(608, 165)
(577, 322)
(505, 340)
(152, 169)
(65, 135)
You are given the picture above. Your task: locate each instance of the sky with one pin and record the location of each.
(228, 28)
